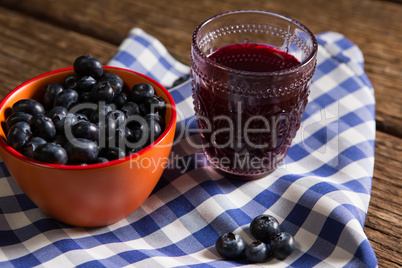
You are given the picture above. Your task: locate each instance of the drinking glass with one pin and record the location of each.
(248, 113)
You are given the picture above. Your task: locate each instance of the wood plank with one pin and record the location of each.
(33, 47)
(384, 218)
(373, 25)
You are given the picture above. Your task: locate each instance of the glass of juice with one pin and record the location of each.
(251, 72)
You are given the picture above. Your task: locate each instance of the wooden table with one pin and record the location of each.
(37, 36)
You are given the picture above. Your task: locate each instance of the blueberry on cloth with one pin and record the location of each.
(230, 246)
(282, 245)
(257, 252)
(180, 80)
(264, 228)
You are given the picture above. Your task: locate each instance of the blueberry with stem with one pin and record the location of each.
(230, 246)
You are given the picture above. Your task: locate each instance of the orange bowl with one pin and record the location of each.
(92, 195)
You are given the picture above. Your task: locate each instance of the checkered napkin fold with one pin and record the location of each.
(320, 194)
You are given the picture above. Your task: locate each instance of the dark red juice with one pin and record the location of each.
(254, 58)
(248, 121)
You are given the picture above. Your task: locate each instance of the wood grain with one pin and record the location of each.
(384, 217)
(37, 36)
(30, 47)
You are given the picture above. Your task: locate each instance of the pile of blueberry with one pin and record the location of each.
(91, 117)
(270, 242)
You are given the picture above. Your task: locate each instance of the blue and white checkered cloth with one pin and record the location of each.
(320, 194)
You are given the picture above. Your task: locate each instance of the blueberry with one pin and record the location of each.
(87, 65)
(107, 131)
(112, 153)
(70, 120)
(125, 133)
(70, 81)
(51, 92)
(67, 98)
(118, 116)
(17, 117)
(154, 104)
(42, 126)
(130, 108)
(85, 97)
(144, 132)
(264, 228)
(81, 117)
(84, 111)
(50, 153)
(31, 146)
(156, 117)
(57, 112)
(63, 123)
(18, 135)
(155, 130)
(60, 139)
(131, 151)
(230, 246)
(100, 112)
(94, 126)
(28, 106)
(85, 83)
(85, 129)
(102, 91)
(137, 132)
(257, 252)
(119, 100)
(114, 80)
(113, 120)
(282, 245)
(180, 80)
(81, 151)
(122, 136)
(140, 92)
(100, 160)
